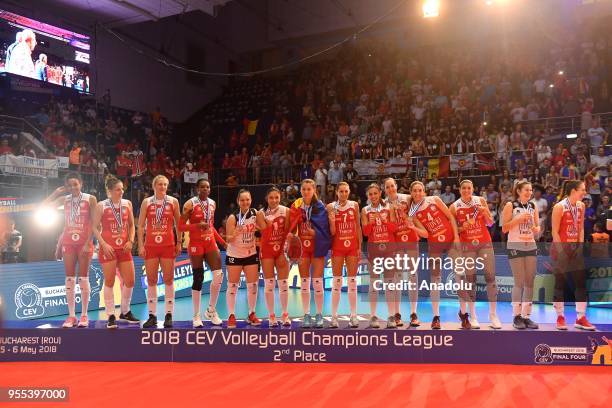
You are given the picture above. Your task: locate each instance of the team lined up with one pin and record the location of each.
(391, 224)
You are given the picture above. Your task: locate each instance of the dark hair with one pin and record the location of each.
(519, 186)
(271, 190)
(389, 178)
(110, 181)
(242, 190)
(73, 175)
(201, 180)
(466, 181)
(571, 185)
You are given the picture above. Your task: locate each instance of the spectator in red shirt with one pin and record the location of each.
(5, 148)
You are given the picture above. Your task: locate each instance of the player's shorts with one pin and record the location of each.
(76, 249)
(272, 251)
(517, 253)
(249, 260)
(121, 255)
(202, 248)
(344, 252)
(163, 252)
(475, 245)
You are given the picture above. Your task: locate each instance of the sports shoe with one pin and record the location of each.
(231, 321)
(465, 321)
(151, 322)
(197, 322)
(168, 321)
(584, 324)
(213, 316)
(334, 323)
(128, 317)
(561, 323)
(414, 320)
(474, 322)
(374, 324)
(435, 323)
(83, 321)
(307, 321)
(494, 322)
(519, 322)
(253, 320)
(353, 321)
(70, 322)
(272, 322)
(112, 322)
(286, 320)
(318, 321)
(391, 322)
(398, 320)
(530, 324)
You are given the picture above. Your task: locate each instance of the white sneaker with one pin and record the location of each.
(495, 322)
(474, 322)
(213, 316)
(70, 322)
(334, 322)
(197, 322)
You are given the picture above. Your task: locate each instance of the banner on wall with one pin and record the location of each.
(28, 166)
(396, 165)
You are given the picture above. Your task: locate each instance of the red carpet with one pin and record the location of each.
(314, 385)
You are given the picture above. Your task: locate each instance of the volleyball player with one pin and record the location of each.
(75, 243)
(114, 229)
(520, 220)
(430, 213)
(379, 225)
(241, 256)
(203, 237)
(273, 238)
(344, 225)
(308, 213)
(158, 219)
(407, 237)
(566, 252)
(473, 216)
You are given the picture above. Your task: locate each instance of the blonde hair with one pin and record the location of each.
(157, 178)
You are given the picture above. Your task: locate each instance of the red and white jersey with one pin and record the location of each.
(436, 223)
(138, 164)
(273, 237)
(471, 220)
(403, 233)
(203, 210)
(114, 232)
(77, 215)
(572, 221)
(379, 217)
(160, 222)
(346, 236)
(243, 244)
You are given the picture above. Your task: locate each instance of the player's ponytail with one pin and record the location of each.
(110, 181)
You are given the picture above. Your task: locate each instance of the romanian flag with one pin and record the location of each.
(319, 222)
(439, 166)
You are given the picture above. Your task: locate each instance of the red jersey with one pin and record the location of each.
(160, 222)
(403, 233)
(273, 237)
(470, 218)
(77, 216)
(203, 210)
(138, 164)
(572, 221)
(379, 217)
(346, 237)
(115, 223)
(434, 220)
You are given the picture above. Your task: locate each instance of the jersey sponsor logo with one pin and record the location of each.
(307, 243)
(404, 238)
(158, 239)
(76, 237)
(118, 241)
(276, 247)
(347, 243)
(441, 238)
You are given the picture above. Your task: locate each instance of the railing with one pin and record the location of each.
(22, 125)
(563, 124)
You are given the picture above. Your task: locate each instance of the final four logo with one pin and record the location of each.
(28, 300)
(597, 353)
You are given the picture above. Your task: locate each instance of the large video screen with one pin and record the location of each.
(44, 52)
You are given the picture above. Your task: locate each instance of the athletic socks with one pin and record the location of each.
(527, 302)
(196, 297)
(352, 295)
(517, 308)
(252, 296)
(317, 285)
(336, 290)
(126, 298)
(232, 289)
(169, 298)
(305, 293)
(85, 291)
(269, 285)
(283, 294)
(70, 295)
(152, 299)
(580, 309)
(109, 301)
(559, 308)
(215, 288)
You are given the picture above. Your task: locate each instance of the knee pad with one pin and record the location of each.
(283, 285)
(337, 284)
(269, 285)
(217, 277)
(352, 284)
(232, 288)
(317, 284)
(198, 278)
